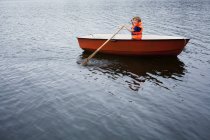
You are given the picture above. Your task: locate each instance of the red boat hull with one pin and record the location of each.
(135, 47)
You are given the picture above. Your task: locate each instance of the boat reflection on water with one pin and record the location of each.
(136, 70)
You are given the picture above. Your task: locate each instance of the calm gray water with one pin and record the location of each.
(45, 94)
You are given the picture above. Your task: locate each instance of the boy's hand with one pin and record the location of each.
(128, 28)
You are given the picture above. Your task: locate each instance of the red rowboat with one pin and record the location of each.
(123, 44)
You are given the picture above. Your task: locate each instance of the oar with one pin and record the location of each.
(94, 53)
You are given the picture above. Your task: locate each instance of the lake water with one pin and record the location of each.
(45, 94)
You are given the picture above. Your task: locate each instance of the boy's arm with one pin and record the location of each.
(128, 28)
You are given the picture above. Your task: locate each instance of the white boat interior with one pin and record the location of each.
(128, 37)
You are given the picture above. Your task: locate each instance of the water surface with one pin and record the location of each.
(46, 94)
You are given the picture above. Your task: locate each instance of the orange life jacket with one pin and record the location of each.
(137, 35)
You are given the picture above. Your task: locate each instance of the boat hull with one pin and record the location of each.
(135, 47)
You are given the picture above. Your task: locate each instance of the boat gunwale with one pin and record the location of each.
(128, 37)
(169, 39)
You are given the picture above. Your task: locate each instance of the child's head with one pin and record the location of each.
(136, 20)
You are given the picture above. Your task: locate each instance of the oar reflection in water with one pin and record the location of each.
(138, 69)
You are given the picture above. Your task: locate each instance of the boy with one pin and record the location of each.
(136, 29)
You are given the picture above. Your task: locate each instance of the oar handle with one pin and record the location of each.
(94, 53)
